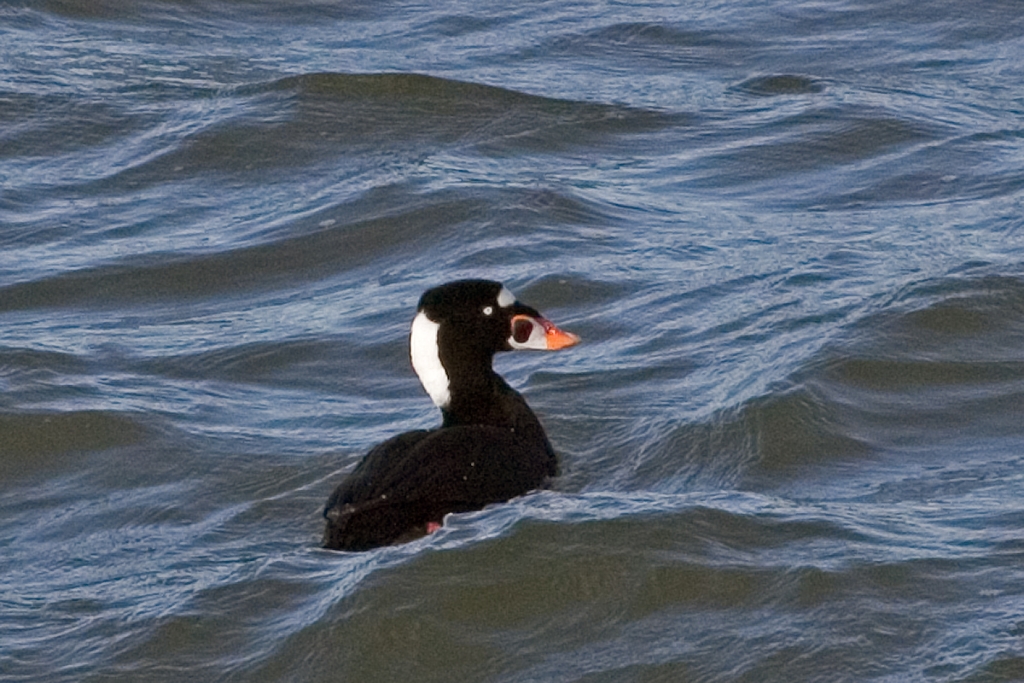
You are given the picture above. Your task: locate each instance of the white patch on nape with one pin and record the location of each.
(506, 298)
(426, 359)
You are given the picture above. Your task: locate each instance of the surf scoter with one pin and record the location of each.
(490, 446)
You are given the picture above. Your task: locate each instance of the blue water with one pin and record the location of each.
(790, 236)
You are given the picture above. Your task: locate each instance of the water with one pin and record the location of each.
(790, 236)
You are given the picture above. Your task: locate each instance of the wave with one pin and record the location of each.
(369, 119)
(324, 248)
(937, 368)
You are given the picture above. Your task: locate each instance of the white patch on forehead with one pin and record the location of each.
(506, 298)
(426, 360)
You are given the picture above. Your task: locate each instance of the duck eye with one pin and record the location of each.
(488, 310)
(521, 330)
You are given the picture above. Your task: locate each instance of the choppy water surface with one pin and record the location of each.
(790, 236)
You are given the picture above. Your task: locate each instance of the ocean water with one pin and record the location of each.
(790, 235)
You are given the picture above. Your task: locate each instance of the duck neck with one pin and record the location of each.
(459, 379)
(475, 394)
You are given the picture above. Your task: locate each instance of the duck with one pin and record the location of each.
(489, 448)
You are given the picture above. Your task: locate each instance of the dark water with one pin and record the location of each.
(790, 235)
